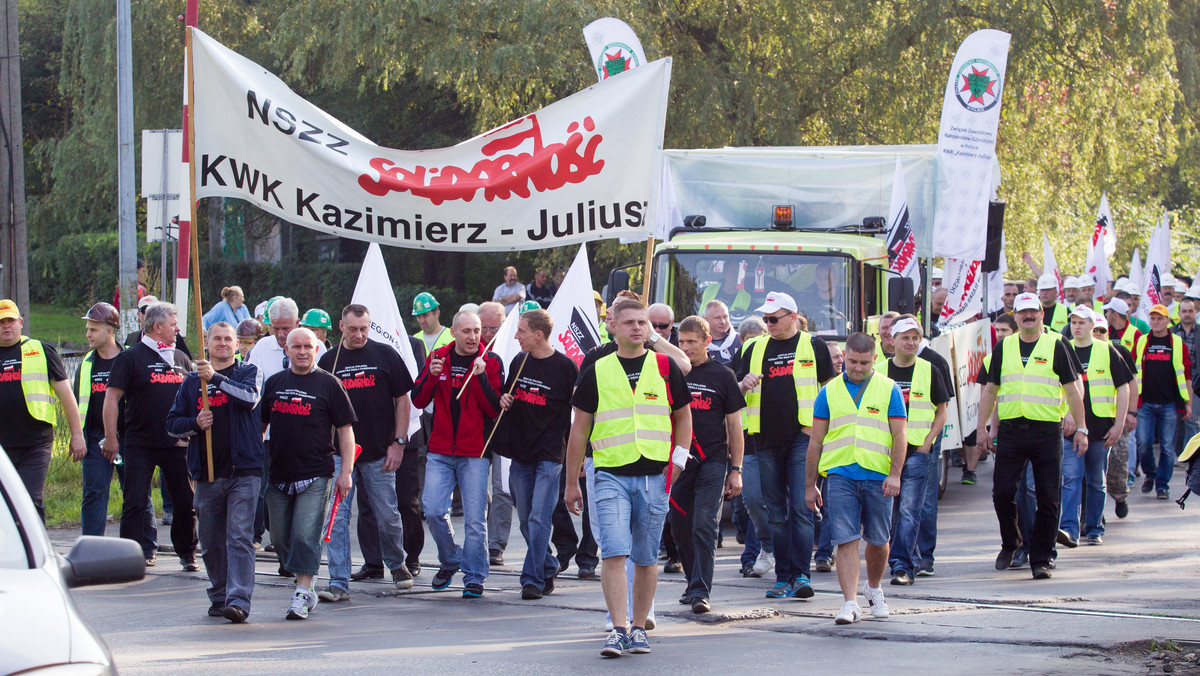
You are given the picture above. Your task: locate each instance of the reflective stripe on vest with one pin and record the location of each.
(1060, 318)
(920, 399)
(35, 381)
(804, 371)
(1030, 391)
(1102, 389)
(630, 424)
(1176, 362)
(746, 345)
(741, 299)
(444, 338)
(858, 435)
(84, 393)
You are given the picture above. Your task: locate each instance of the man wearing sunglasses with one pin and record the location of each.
(780, 377)
(662, 319)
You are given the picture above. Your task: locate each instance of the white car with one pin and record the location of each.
(42, 630)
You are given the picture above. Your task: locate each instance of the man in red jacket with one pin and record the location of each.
(456, 448)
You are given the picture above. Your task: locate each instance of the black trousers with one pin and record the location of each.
(566, 543)
(408, 500)
(33, 465)
(171, 462)
(1042, 448)
(695, 519)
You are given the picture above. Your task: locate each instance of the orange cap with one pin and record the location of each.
(1160, 309)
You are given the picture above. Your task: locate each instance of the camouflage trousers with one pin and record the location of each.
(1117, 477)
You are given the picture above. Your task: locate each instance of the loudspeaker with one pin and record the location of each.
(995, 229)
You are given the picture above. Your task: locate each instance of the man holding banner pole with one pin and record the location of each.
(500, 502)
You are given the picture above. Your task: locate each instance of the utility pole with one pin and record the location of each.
(14, 256)
(126, 188)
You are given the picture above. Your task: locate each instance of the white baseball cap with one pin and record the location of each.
(1101, 322)
(1047, 281)
(1026, 301)
(1086, 279)
(1127, 286)
(1084, 312)
(907, 324)
(1071, 283)
(777, 300)
(1118, 306)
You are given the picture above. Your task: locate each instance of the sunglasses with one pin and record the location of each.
(770, 319)
(661, 327)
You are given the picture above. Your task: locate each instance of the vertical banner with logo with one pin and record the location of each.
(964, 292)
(573, 311)
(1101, 245)
(967, 144)
(374, 290)
(901, 241)
(1158, 264)
(614, 46)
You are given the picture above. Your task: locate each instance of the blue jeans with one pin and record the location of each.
(630, 512)
(760, 525)
(824, 535)
(1079, 474)
(442, 474)
(1156, 422)
(225, 512)
(782, 474)
(904, 555)
(534, 490)
(298, 525)
(380, 487)
(927, 534)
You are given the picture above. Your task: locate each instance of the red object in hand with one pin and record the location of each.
(337, 499)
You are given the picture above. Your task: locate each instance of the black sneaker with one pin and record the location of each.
(701, 606)
(1148, 484)
(1064, 538)
(587, 573)
(166, 549)
(473, 590)
(235, 614)
(530, 592)
(191, 566)
(1163, 494)
(747, 570)
(284, 572)
(402, 578)
(414, 567)
(1122, 509)
(217, 609)
(904, 579)
(673, 566)
(1020, 559)
(969, 478)
(925, 570)
(824, 566)
(1041, 572)
(443, 577)
(496, 557)
(1004, 560)
(367, 572)
(548, 587)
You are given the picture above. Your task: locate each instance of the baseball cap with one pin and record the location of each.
(260, 310)
(1084, 312)
(1026, 301)
(1117, 305)
(249, 328)
(1071, 283)
(8, 310)
(146, 300)
(424, 302)
(317, 319)
(906, 324)
(1086, 279)
(1101, 323)
(1161, 309)
(776, 301)
(1047, 281)
(103, 313)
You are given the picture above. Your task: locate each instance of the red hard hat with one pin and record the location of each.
(104, 313)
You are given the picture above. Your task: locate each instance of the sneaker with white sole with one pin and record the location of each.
(299, 608)
(639, 643)
(879, 608)
(764, 564)
(850, 614)
(332, 594)
(616, 644)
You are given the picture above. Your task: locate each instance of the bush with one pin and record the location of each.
(76, 271)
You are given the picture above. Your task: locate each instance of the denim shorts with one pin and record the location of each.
(630, 511)
(857, 509)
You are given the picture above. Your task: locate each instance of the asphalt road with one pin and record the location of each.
(1111, 609)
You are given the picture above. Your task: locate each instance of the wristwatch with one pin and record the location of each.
(401, 440)
(1081, 429)
(735, 468)
(654, 338)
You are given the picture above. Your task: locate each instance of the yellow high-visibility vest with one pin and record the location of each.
(630, 423)
(35, 381)
(1176, 362)
(858, 434)
(1102, 389)
(804, 371)
(1032, 390)
(921, 410)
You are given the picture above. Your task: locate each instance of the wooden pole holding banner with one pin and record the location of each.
(509, 393)
(471, 373)
(191, 154)
(646, 269)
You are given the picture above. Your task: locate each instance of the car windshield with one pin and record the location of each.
(13, 552)
(820, 284)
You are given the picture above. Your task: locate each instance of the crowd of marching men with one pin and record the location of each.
(818, 445)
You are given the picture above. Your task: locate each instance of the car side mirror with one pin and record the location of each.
(900, 295)
(101, 560)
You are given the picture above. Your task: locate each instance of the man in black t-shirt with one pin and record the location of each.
(1106, 381)
(226, 494)
(534, 434)
(1165, 389)
(306, 409)
(31, 377)
(1116, 477)
(631, 435)
(717, 442)
(378, 383)
(778, 419)
(147, 376)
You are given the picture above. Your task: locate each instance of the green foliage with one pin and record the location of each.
(74, 270)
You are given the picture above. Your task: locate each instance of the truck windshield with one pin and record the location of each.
(821, 285)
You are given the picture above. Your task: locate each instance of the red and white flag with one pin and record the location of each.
(1050, 266)
(901, 239)
(964, 292)
(1101, 245)
(573, 311)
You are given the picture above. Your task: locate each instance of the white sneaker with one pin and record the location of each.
(850, 614)
(650, 623)
(299, 608)
(879, 608)
(764, 564)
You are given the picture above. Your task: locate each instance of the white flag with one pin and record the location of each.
(374, 290)
(901, 242)
(1135, 269)
(1050, 266)
(1158, 263)
(573, 311)
(614, 46)
(967, 144)
(1099, 248)
(669, 216)
(505, 344)
(964, 292)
